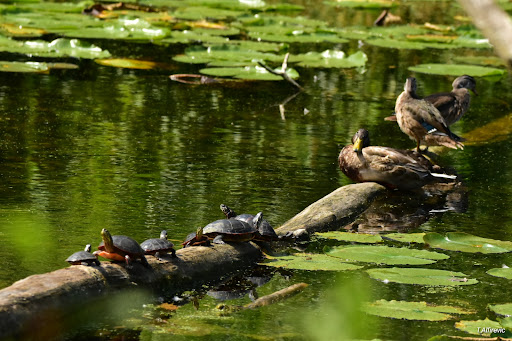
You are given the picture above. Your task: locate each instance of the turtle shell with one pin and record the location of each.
(153, 245)
(80, 257)
(125, 245)
(232, 230)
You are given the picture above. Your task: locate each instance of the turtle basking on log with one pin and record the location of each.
(265, 230)
(84, 257)
(158, 246)
(120, 248)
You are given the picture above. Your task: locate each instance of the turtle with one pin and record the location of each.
(84, 257)
(196, 238)
(120, 248)
(232, 230)
(265, 231)
(158, 246)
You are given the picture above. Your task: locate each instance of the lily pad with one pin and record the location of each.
(495, 131)
(433, 277)
(386, 255)
(330, 59)
(501, 272)
(308, 261)
(362, 3)
(458, 69)
(299, 36)
(126, 63)
(28, 67)
(480, 60)
(230, 53)
(247, 73)
(477, 327)
(420, 311)
(502, 309)
(459, 241)
(405, 237)
(351, 237)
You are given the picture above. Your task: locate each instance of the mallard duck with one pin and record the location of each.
(422, 121)
(452, 105)
(393, 168)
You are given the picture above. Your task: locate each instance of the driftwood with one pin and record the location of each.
(39, 300)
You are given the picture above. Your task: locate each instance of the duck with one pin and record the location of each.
(422, 121)
(452, 105)
(390, 167)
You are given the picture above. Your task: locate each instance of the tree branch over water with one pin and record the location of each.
(494, 23)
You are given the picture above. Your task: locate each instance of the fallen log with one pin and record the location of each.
(39, 300)
(336, 209)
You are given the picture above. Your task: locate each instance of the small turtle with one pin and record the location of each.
(84, 257)
(158, 246)
(120, 248)
(232, 230)
(196, 238)
(265, 231)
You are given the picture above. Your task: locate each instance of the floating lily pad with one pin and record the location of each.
(247, 72)
(312, 262)
(126, 63)
(405, 237)
(477, 327)
(495, 131)
(299, 36)
(501, 272)
(480, 60)
(362, 3)
(330, 59)
(502, 309)
(60, 47)
(186, 37)
(412, 310)
(12, 30)
(230, 53)
(458, 69)
(28, 67)
(350, 237)
(386, 255)
(200, 12)
(421, 276)
(459, 241)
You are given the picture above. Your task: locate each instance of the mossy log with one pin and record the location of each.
(43, 299)
(336, 209)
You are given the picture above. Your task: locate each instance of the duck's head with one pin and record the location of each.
(411, 86)
(360, 140)
(465, 81)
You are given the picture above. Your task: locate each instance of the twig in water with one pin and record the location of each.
(282, 73)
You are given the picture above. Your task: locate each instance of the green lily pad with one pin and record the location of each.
(350, 237)
(330, 59)
(406, 237)
(60, 47)
(312, 262)
(502, 309)
(420, 311)
(200, 12)
(127, 63)
(457, 69)
(27, 67)
(459, 241)
(501, 272)
(247, 73)
(230, 53)
(477, 327)
(299, 36)
(421, 276)
(362, 3)
(386, 255)
(186, 37)
(480, 60)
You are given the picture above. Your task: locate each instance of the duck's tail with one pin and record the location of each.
(444, 176)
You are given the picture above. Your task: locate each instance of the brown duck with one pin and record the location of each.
(422, 121)
(393, 168)
(452, 105)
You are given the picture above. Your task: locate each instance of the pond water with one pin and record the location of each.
(135, 152)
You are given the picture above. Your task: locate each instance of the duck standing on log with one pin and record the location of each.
(393, 168)
(422, 121)
(452, 105)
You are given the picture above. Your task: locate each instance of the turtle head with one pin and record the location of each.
(199, 233)
(466, 82)
(87, 248)
(256, 221)
(107, 240)
(163, 234)
(360, 140)
(227, 211)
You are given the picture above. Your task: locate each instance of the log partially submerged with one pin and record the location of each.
(28, 303)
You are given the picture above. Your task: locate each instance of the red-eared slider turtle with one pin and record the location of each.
(158, 246)
(120, 248)
(84, 257)
(265, 231)
(232, 230)
(196, 238)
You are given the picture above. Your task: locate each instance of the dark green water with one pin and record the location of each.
(137, 153)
